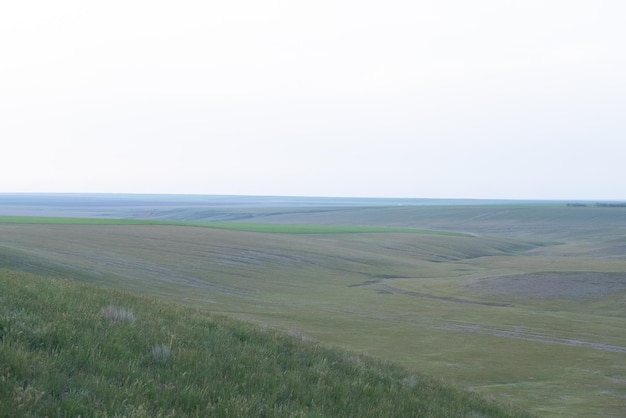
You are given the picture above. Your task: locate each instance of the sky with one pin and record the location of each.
(427, 99)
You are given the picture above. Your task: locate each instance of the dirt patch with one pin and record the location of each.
(571, 285)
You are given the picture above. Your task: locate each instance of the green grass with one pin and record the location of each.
(514, 220)
(247, 227)
(315, 229)
(76, 350)
(26, 220)
(324, 286)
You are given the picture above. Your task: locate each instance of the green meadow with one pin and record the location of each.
(524, 305)
(75, 350)
(249, 227)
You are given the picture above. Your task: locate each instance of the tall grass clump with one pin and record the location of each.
(61, 354)
(161, 353)
(116, 314)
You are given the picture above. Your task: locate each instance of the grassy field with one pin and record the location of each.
(76, 350)
(525, 304)
(249, 227)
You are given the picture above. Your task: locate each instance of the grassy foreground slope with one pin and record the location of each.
(68, 349)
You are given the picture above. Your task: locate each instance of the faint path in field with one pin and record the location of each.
(531, 336)
(518, 333)
(382, 287)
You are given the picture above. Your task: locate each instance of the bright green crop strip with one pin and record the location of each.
(247, 227)
(72, 221)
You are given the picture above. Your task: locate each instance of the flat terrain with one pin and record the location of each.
(524, 303)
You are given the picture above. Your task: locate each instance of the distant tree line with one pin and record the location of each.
(597, 204)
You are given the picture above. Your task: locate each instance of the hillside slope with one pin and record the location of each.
(77, 350)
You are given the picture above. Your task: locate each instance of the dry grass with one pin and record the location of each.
(116, 314)
(160, 353)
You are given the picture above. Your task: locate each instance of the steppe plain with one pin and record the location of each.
(524, 302)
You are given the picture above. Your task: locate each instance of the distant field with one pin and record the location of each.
(523, 303)
(266, 228)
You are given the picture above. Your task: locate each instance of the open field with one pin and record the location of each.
(523, 303)
(248, 227)
(68, 349)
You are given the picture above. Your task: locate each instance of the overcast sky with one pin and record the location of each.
(441, 98)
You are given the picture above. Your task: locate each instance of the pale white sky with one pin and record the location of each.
(439, 98)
